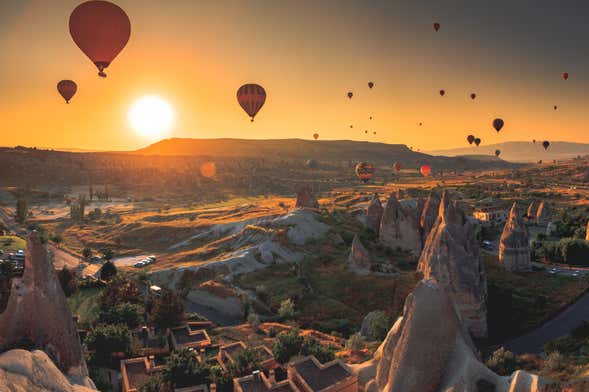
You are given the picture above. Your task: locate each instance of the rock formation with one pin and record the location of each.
(429, 214)
(514, 246)
(367, 321)
(374, 214)
(359, 259)
(305, 198)
(37, 312)
(543, 214)
(399, 227)
(587, 234)
(22, 370)
(429, 350)
(532, 210)
(451, 255)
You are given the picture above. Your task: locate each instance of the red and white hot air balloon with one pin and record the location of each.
(425, 170)
(251, 98)
(101, 30)
(565, 75)
(67, 89)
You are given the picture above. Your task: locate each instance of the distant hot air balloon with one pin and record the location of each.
(350, 94)
(370, 118)
(477, 141)
(497, 153)
(397, 167)
(374, 133)
(534, 141)
(498, 124)
(312, 164)
(364, 171)
(442, 92)
(251, 98)
(420, 124)
(565, 75)
(208, 169)
(366, 132)
(101, 30)
(425, 170)
(473, 96)
(370, 85)
(540, 161)
(351, 126)
(546, 144)
(470, 139)
(555, 107)
(315, 136)
(67, 89)
(436, 26)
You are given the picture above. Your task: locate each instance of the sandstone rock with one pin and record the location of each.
(305, 198)
(451, 255)
(26, 371)
(399, 227)
(532, 210)
(38, 311)
(429, 350)
(543, 214)
(587, 235)
(429, 214)
(374, 214)
(359, 259)
(514, 245)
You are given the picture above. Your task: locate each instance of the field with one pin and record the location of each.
(84, 304)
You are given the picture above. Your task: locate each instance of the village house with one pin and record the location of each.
(136, 371)
(189, 336)
(229, 352)
(491, 215)
(147, 341)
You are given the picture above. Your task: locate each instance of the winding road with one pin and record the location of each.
(571, 318)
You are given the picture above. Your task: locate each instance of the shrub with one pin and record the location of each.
(554, 361)
(104, 340)
(108, 270)
(503, 362)
(287, 309)
(167, 310)
(68, 281)
(312, 346)
(126, 313)
(379, 325)
(355, 342)
(182, 369)
(118, 291)
(287, 345)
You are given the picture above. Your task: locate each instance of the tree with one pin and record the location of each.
(245, 363)
(183, 369)
(106, 339)
(379, 325)
(118, 291)
(68, 281)
(287, 309)
(107, 254)
(287, 345)
(56, 239)
(22, 209)
(126, 313)
(167, 310)
(108, 270)
(312, 346)
(355, 342)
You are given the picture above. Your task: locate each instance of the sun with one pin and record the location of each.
(151, 116)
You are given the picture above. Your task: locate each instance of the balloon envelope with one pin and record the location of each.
(350, 94)
(370, 85)
(101, 30)
(251, 98)
(67, 89)
(473, 96)
(436, 26)
(208, 169)
(425, 170)
(315, 136)
(546, 144)
(364, 171)
(565, 75)
(497, 152)
(442, 92)
(470, 139)
(477, 141)
(498, 124)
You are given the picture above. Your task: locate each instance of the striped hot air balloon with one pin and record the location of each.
(364, 171)
(251, 98)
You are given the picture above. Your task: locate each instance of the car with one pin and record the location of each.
(575, 274)
(552, 271)
(152, 258)
(140, 264)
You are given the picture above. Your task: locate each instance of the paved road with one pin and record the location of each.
(564, 323)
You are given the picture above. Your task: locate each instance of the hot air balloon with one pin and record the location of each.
(251, 98)
(420, 124)
(546, 144)
(370, 85)
(436, 26)
(497, 153)
(442, 92)
(351, 126)
(67, 89)
(315, 136)
(374, 133)
(366, 132)
(473, 96)
(565, 75)
(498, 124)
(312, 164)
(397, 167)
(534, 141)
(470, 139)
(364, 171)
(425, 170)
(477, 141)
(208, 169)
(555, 107)
(350, 94)
(370, 118)
(101, 30)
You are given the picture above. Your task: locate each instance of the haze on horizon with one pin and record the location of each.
(307, 56)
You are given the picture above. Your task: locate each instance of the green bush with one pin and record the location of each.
(104, 340)
(312, 346)
(126, 313)
(575, 251)
(287, 345)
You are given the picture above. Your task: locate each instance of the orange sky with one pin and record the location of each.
(307, 54)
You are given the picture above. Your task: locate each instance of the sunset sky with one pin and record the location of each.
(307, 54)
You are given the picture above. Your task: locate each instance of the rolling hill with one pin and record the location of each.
(327, 151)
(522, 151)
